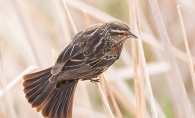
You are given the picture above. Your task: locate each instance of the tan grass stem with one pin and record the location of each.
(142, 80)
(27, 26)
(170, 56)
(144, 71)
(135, 59)
(69, 17)
(87, 19)
(17, 80)
(104, 100)
(187, 47)
(118, 112)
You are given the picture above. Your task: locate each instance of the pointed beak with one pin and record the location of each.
(131, 35)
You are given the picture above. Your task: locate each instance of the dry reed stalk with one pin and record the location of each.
(82, 87)
(104, 100)
(69, 17)
(148, 84)
(118, 112)
(6, 99)
(105, 91)
(144, 72)
(142, 94)
(151, 40)
(17, 80)
(187, 47)
(104, 81)
(97, 84)
(60, 23)
(122, 99)
(170, 56)
(142, 80)
(154, 68)
(27, 26)
(173, 97)
(86, 16)
(135, 60)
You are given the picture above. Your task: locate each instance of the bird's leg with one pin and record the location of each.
(94, 80)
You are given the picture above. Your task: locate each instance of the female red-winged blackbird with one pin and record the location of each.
(90, 53)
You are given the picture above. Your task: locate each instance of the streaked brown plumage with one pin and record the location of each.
(90, 53)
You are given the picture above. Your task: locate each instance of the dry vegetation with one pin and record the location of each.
(154, 77)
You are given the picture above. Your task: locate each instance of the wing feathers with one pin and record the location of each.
(69, 52)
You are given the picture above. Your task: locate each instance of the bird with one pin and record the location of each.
(90, 52)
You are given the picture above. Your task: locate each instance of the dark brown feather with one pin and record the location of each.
(43, 95)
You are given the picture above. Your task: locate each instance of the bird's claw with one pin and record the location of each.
(95, 80)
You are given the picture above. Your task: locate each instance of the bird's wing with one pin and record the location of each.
(72, 55)
(87, 69)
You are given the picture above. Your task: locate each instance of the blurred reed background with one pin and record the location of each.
(30, 30)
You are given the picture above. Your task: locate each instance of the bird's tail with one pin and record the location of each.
(44, 96)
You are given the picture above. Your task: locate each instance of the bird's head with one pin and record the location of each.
(118, 31)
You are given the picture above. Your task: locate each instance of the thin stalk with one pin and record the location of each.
(60, 23)
(104, 100)
(69, 17)
(7, 100)
(118, 112)
(148, 84)
(86, 15)
(27, 26)
(16, 81)
(142, 80)
(179, 85)
(187, 47)
(123, 97)
(146, 75)
(135, 60)
(142, 94)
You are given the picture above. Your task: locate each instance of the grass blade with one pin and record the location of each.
(170, 56)
(187, 47)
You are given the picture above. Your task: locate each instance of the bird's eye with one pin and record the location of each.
(121, 33)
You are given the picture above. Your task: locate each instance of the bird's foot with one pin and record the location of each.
(94, 80)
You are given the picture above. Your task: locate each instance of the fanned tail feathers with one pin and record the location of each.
(41, 94)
